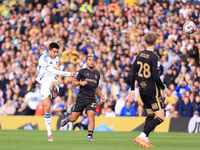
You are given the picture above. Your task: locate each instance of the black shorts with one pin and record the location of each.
(153, 101)
(80, 104)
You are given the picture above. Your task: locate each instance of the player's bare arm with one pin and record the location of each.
(75, 82)
(98, 92)
(73, 74)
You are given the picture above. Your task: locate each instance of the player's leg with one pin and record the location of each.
(157, 106)
(77, 109)
(54, 88)
(159, 118)
(91, 112)
(71, 118)
(47, 117)
(45, 93)
(150, 116)
(142, 139)
(91, 117)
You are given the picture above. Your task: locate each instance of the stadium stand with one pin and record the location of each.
(115, 34)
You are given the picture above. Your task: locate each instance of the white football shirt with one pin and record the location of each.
(44, 62)
(33, 99)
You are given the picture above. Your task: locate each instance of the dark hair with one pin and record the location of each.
(53, 45)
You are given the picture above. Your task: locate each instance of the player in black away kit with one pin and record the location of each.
(147, 67)
(88, 80)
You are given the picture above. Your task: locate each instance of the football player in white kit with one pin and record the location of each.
(48, 64)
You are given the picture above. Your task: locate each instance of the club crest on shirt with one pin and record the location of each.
(88, 74)
(95, 76)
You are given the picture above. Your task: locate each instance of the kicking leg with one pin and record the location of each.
(91, 116)
(47, 117)
(71, 118)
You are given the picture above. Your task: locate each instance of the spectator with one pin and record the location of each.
(172, 100)
(196, 104)
(120, 103)
(23, 110)
(32, 100)
(140, 111)
(181, 88)
(169, 77)
(167, 111)
(57, 107)
(184, 10)
(174, 115)
(183, 75)
(128, 110)
(5, 12)
(40, 109)
(196, 114)
(115, 89)
(7, 109)
(103, 112)
(186, 108)
(69, 105)
(112, 102)
(109, 112)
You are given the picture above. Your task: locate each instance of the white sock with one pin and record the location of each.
(47, 118)
(146, 139)
(143, 135)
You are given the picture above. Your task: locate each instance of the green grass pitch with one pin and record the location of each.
(76, 140)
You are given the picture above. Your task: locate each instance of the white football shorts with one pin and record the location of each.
(45, 89)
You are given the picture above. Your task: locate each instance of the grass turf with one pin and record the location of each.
(76, 140)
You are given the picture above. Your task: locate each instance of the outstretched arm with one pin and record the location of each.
(57, 72)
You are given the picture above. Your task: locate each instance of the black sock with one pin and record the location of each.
(90, 133)
(148, 119)
(152, 124)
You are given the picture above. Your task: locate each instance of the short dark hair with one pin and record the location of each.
(53, 45)
(150, 38)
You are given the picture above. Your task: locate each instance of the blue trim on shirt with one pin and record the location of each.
(41, 77)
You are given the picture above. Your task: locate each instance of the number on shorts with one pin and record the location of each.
(93, 105)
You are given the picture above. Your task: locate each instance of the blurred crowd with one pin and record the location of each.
(114, 33)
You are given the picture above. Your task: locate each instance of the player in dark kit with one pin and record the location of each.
(147, 67)
(88, 80)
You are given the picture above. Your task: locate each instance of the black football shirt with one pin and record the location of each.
(147, 66)
(92, 78)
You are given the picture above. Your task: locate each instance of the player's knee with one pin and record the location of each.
(73, 119)
(161, 118)
(47, 109)
(92, 118)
